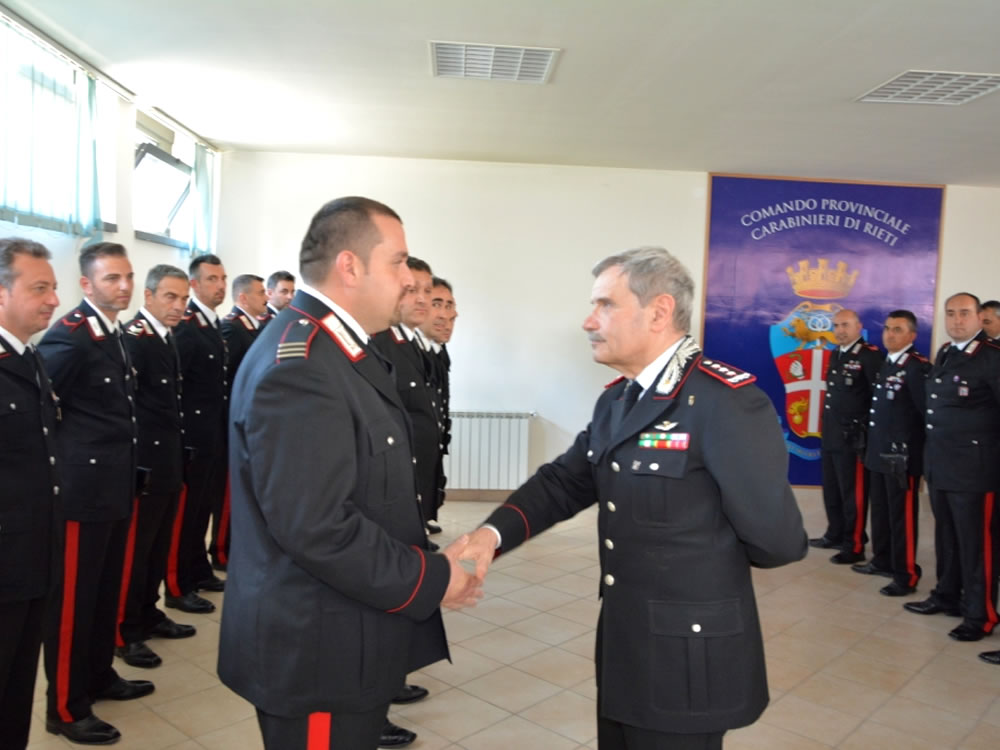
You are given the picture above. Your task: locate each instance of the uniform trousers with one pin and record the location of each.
(187, 562)
(218, 548)
(323, 731)
(966, 554)
(894, 526)
(81, 616)
(20, 641)
(845, 497)
(145, 566)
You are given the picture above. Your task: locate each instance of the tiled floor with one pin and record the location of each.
(848, 668)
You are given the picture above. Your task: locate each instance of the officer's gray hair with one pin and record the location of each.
(653, 271)
(10, 248)
(163, 271)
(244, 283)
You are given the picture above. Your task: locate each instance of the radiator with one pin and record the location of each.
(488, 451)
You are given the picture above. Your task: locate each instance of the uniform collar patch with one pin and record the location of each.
(397, 335)
(95, 327)
(351, 348)
(676, 369)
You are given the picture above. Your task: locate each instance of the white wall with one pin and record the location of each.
(516, 241)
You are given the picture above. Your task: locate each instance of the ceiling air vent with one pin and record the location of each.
(934, 87)
(492, 62)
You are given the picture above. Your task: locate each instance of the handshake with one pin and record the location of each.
(465, 588)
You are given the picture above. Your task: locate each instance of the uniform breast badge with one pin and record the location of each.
(665, 441)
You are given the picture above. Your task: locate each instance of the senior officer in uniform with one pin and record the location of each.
(850, 379)
(96, 448)
(28, 476)
(151, 346)
(688, 465)
(333, 596)
(962, 466)
(206, 393)
(895, 457)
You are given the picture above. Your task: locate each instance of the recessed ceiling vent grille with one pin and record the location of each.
(934, 87)
(492, 62)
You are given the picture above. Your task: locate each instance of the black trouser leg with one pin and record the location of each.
(146, 562)
(20, 642)
(948, 590)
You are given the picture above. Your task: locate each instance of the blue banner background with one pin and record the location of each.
(750, 302)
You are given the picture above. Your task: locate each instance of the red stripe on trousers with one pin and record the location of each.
(859, 507)
(911, 552)
(173, 588)
(70, 566)
(126, 572)
(220, 541)
(991, 612)
(318, 737)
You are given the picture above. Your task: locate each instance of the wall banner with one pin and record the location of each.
(784, 256)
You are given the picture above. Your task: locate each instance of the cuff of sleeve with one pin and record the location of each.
(511, 525)
(435, 572)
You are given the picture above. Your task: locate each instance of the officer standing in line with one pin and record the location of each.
(203, 358)
(962, 466)
(850, 379)
(990, 319)
(28, 475)
(895, 457)
(151, 346)
(96, 448)
(280, 290)
(243, 323)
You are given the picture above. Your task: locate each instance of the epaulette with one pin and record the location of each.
(139, 327)
(73, 320)
(918, 356)
(871, 346)
(296, 340)
(616, 381)
(731, 376)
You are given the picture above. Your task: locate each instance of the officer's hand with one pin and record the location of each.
(481, 548)
(464, 589)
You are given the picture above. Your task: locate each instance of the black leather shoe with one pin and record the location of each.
(167, 628)
(410, 694)
(211, 584)
(823, 543)
(88, 731)
(846, 558)
(990, 657)
(190, 602)
(966, 632)
(930, 607)
(138, 654)
(433, 527)
(895, 589)
(869, 569)
(393, 736)
(125, 690)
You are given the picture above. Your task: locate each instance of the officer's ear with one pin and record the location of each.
(661, 308)
(349, 267)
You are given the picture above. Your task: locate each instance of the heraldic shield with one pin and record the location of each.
(801, 346)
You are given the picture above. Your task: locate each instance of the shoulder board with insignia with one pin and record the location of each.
(870, 346)
(614, 382)
(73, 320)
(918, 356)
(343, 337)
(731, 376)
(397, 335)
(296, 340)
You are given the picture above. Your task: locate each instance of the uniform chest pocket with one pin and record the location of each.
(655, 486)
(18, 415)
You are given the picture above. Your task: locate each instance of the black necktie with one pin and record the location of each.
(632, 393)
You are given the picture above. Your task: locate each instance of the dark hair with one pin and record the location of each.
(161, 271)
(342, 224)
(415, 264)
(274, 278)
(10, 248)
(992, 304)
(243, 282)
(906, 315)
(438, 281)
(979, 305)
(90, 254)
(194, 269)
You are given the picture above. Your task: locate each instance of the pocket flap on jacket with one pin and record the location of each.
(696, 619)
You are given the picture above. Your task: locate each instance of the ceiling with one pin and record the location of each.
(766, 87)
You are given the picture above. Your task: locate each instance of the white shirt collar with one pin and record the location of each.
(14, 341)
(253, 318)
(648, 375)
(407, 331)
(847, 348)
(341, 312)
(161, 329)
(110, 327)
(435, 346)
(208, 312)
(895, 357)
(422, 338)
(962, 344)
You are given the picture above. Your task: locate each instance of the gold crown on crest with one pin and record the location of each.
(822, 282)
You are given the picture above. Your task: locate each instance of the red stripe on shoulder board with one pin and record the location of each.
(527, 526)
(420, 582)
